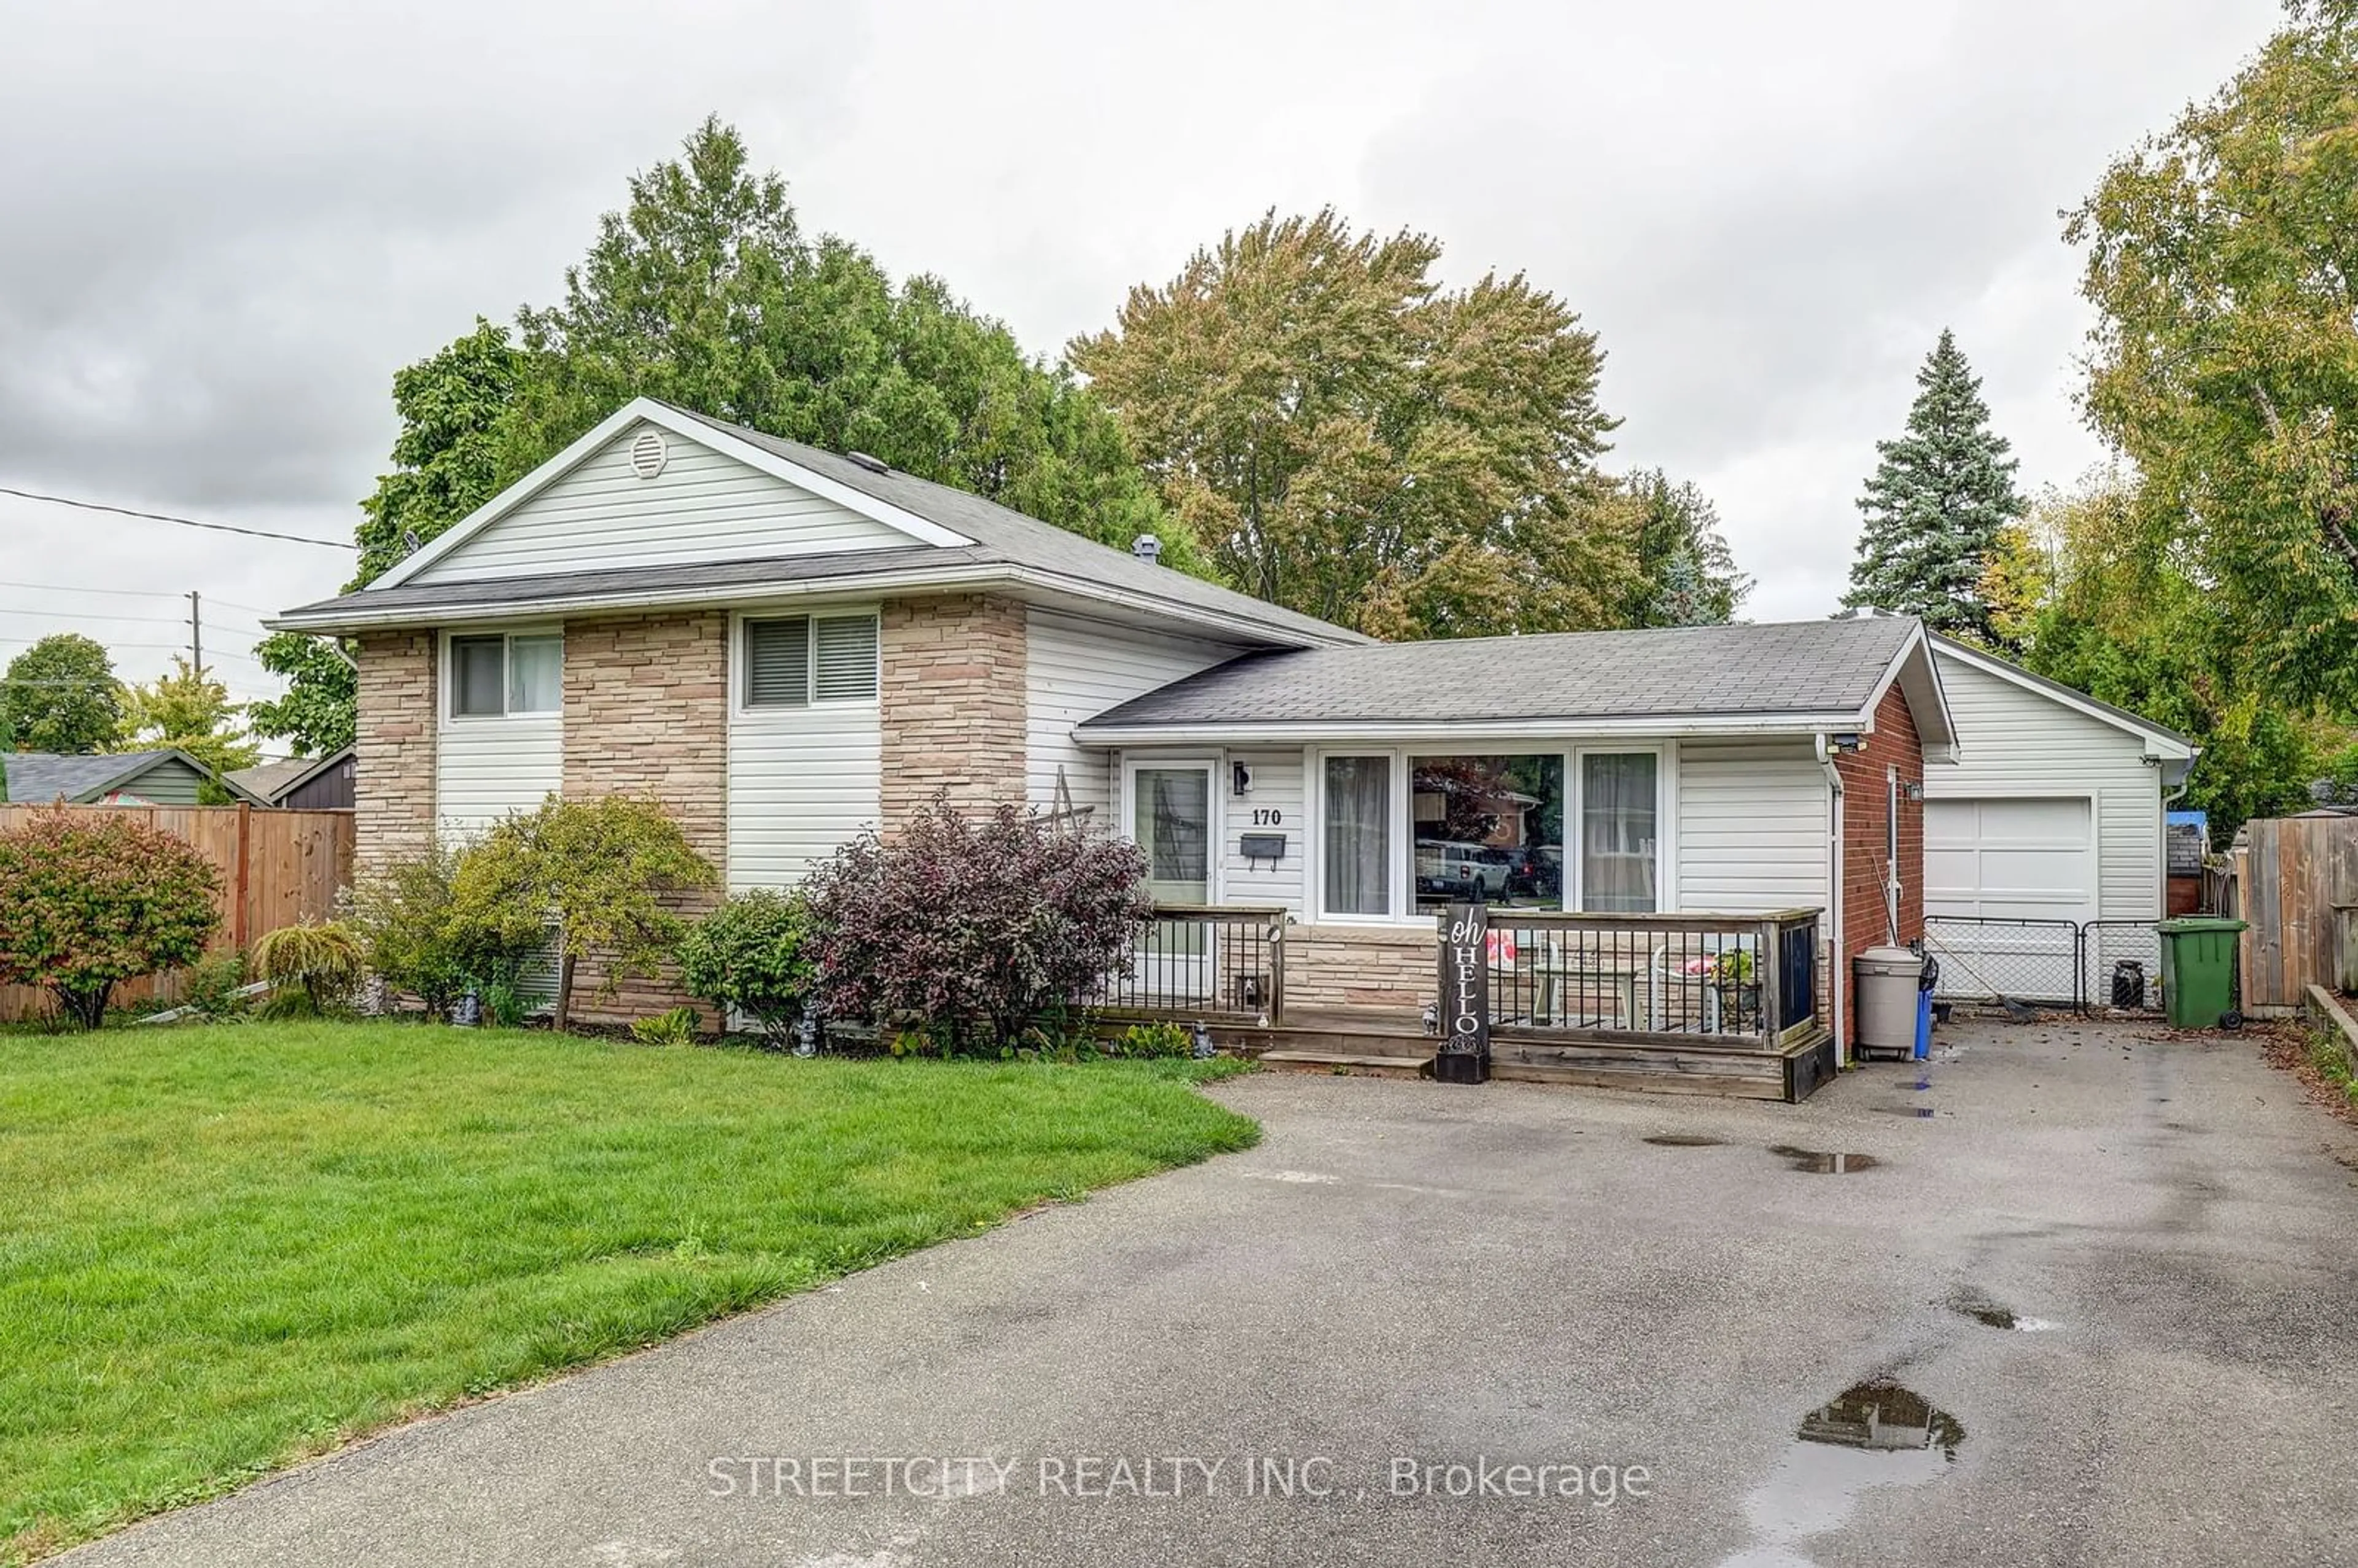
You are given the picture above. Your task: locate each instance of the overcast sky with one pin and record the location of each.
(226, 225)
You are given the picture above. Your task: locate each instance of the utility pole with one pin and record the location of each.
(196, 632)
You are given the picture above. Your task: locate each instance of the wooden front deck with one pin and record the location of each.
(1398, 1048)
(1689, 1003)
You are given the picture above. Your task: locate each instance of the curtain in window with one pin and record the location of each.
(1617, 831)
(1358, 836)
(475, 684)
(535, 674)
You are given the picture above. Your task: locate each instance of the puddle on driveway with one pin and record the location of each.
(1685, 1141)
(1876, 1433)
(1824, 1161)
(1990, 1315)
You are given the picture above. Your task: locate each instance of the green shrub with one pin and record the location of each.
(676, 1027)
(213, 982)
(90, 899)
(753, 954)
(503, 1006)
(409, 929)
(326, 962)
(1148, 1041)
(597, 870)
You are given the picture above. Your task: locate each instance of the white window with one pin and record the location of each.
(792, 661)
(1356, 800)
(500, 674)
(1620, 831)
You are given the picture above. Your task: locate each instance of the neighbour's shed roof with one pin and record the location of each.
(274, 782)
(270, 779)
(1798, 674)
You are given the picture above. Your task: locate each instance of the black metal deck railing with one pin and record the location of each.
(1735, 980)
(1224, 961)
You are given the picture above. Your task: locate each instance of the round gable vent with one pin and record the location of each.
(649, 453)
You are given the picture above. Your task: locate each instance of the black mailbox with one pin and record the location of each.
(1261, 847)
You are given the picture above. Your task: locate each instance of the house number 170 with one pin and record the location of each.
(1267, 817)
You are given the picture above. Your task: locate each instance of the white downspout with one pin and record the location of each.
(1837, 959)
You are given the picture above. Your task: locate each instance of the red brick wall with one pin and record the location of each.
(1891, 744)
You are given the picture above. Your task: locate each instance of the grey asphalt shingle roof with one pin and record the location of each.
(35, 778)
(1810, 666)
(1002, 538)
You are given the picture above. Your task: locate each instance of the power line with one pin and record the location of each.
(131, 593)
(103, 617)
(167, 517)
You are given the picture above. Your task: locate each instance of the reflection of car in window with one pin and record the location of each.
(1456, 870)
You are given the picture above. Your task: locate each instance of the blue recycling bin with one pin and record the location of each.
(1924, 1025)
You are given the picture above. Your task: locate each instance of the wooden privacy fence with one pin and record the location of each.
(2292, 873)
(277, 868)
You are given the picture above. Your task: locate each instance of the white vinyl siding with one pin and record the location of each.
(488, 766)
(486, 769)
(702, 507)
(2015, 742)
(1277, 776)
(1076, 669)
(1753, 820)
(801, 780)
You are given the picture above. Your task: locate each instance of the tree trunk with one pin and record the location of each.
(564, 1011)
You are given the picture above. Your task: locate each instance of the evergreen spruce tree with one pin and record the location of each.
(1936, 504)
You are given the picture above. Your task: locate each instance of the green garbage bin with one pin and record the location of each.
(2198, 971)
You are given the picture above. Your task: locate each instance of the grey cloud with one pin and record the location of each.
(227, 225)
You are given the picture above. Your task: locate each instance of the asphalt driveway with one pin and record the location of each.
(1409, 1291)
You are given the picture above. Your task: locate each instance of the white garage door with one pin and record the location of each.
(2003, 878)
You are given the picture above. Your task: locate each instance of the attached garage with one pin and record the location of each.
(2001, 857)
(2007, 881)
(2047, 826)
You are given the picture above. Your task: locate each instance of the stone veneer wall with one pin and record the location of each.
(951, 701)
(646, 712)
(393, 776)
(1393, 969)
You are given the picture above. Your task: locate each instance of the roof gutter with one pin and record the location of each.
(1251, 732)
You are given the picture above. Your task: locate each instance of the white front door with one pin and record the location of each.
(1171, 820)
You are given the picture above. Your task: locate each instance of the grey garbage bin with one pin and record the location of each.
(1888, 983)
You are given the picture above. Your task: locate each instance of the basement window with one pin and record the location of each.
(792, 661)
(494, 676)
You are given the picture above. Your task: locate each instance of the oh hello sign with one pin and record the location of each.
(1466, 980)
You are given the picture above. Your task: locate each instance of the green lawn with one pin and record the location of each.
(223, 1247)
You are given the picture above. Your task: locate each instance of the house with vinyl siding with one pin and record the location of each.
(785, 645)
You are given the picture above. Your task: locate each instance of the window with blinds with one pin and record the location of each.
(795, 660)
(844, 655)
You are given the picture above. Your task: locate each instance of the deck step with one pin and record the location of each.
(1344, 1062)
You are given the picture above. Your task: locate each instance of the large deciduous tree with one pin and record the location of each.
(2223, 259)
(1349, 439)
(189, 709)
(1936, 504)
(704, 290)
(60, 695)
(2102, 611)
